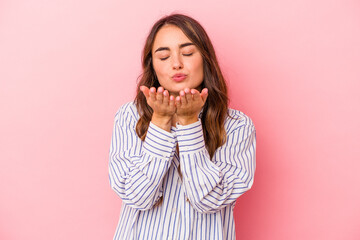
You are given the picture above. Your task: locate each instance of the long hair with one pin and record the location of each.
(215, 108)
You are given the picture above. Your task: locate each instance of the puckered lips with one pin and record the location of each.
(179, 77)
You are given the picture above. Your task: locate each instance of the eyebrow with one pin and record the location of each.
(168, 49)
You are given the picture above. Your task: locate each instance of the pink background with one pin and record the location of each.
(66, 66)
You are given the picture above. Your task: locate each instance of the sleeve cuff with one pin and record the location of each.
(190, 137)
(159, 142)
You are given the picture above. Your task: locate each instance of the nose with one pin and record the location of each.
(177, 62)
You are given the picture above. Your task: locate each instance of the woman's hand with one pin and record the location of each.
(189, 105)
(162, 104)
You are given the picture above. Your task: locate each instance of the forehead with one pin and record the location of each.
(170, 36)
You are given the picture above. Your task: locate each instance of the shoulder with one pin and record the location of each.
(236, 120)
(127, 112)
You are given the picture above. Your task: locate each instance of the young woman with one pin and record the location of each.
(179, 157)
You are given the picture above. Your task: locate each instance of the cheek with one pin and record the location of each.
(159, 69)
(198, 67)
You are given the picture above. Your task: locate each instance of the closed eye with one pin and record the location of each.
(184, 54)
(187, 54)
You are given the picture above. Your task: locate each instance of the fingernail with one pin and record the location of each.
(182, 93)
(187, 90)
(193, 91)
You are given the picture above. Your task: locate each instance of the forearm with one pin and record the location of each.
(213, 184)
(140, 186)
(137, 168)
(210, 187)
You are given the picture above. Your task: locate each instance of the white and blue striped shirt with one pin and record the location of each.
(198, 205)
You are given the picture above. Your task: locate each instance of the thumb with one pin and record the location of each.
(204, 94)
(145, 90)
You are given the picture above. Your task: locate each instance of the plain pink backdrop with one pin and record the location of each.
(67, 66)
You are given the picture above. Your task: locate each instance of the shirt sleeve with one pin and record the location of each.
(136, 168)
(213, 184)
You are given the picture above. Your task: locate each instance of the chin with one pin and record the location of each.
(176, 89)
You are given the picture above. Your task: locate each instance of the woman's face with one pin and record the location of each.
(176, 60)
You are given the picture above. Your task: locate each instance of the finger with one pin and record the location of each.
(182, 97)
(159, 94)
(204, 94)
(166, 97)
(152, 94)
(145, 90)
(188, 95)
(196, 95)
(172, 101)
(178, 101)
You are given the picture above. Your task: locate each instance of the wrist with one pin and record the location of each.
(161, 121)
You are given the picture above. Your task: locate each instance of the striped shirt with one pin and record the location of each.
(196, 204)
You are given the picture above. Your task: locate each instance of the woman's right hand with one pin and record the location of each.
(162, 104)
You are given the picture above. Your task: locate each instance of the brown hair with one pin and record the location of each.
(215, 109)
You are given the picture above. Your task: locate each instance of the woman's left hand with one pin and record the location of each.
(189, 104)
